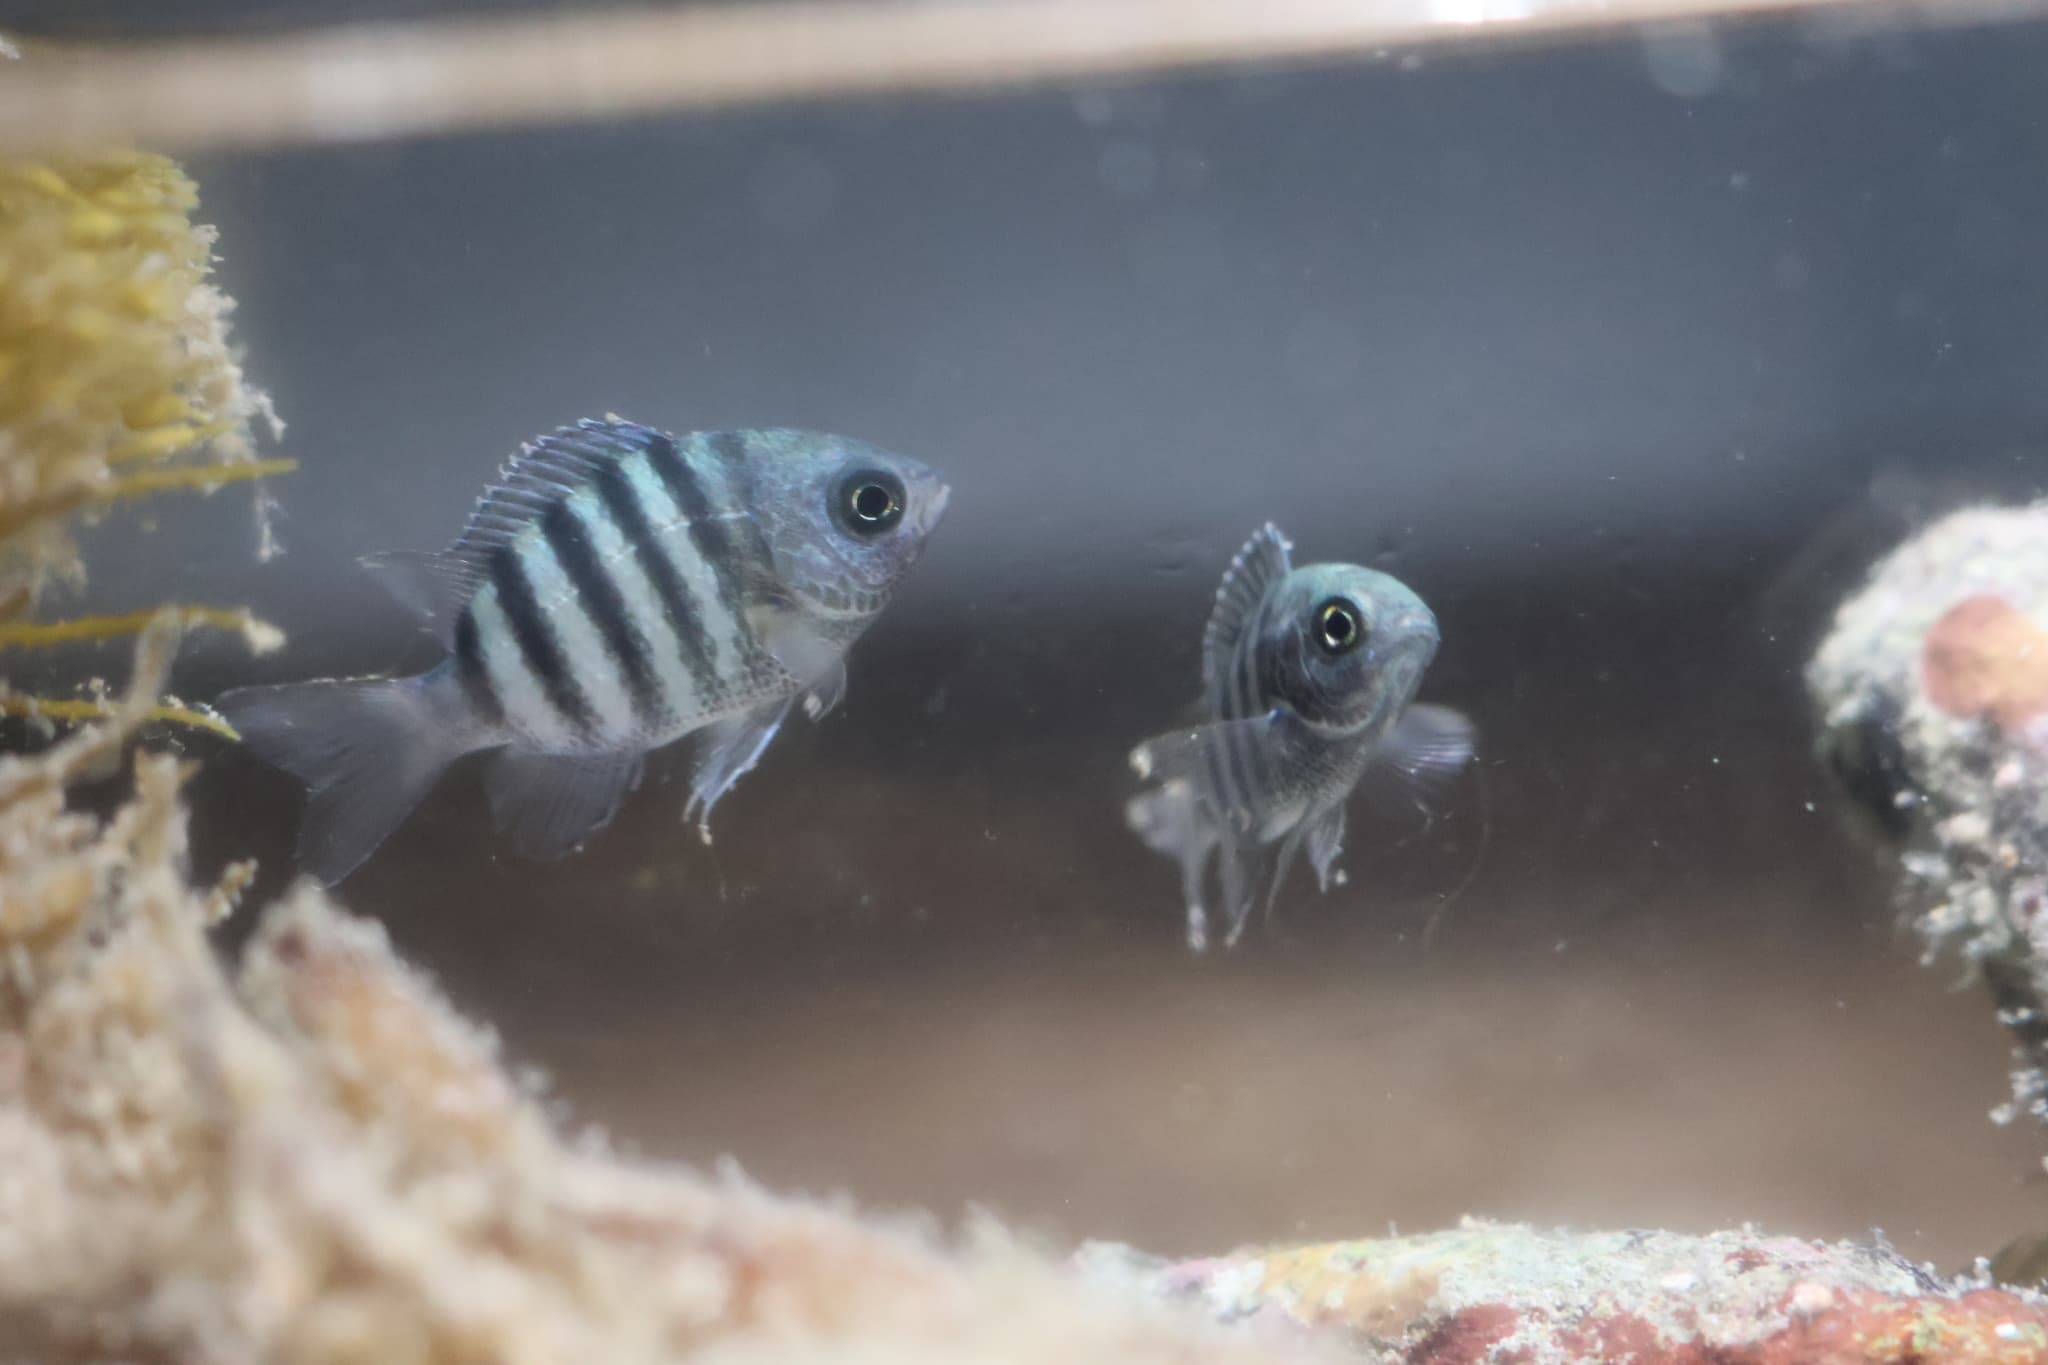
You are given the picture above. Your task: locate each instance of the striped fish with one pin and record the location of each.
(1308, 677)
(616, 589)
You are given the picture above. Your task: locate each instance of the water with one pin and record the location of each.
(1589, 343)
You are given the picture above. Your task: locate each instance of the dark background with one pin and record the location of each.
(1625, 355)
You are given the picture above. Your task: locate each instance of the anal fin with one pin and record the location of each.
(547, 804)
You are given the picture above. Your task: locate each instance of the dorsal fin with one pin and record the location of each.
(1262, 562)
(437, 584)
(432, 586)
(546, 468)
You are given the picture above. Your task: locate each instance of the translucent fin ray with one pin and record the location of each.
(548, 804)
(564, 460)
(1185, 754)
(368, 752)
(1325, 843)
(1261, 562)
(1416, 764)
(432, 584)
(730, 749)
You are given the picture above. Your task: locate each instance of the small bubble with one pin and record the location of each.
(1739, 181)
(1684, 58)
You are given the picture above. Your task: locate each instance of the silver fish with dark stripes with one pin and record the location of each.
(616, 589)
(1309, 677)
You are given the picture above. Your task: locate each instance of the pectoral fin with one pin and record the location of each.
(793, 641)
(1415, 765)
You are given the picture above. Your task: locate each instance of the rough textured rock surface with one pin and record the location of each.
(1932, 690)
(1512, 1295)
(314, 1160)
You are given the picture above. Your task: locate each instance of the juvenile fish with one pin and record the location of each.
(1308, 676)
(616, 589)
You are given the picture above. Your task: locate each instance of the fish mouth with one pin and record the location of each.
(942, 493)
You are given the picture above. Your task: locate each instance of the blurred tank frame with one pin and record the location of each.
(378, 80)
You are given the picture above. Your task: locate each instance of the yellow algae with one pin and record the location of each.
(117, 382)
(113, 345)
(260, 635)
(74, 709)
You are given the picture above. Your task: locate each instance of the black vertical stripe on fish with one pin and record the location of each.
(536, 637)
(1258, 700)
(1227, 795)
(622, 500)
(707, 534)
(471, 672)
(597, 592)
(752, 557)
(707, 530)
(1241, 752)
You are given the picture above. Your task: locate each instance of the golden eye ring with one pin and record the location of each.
(1338, 626)
(870, 501)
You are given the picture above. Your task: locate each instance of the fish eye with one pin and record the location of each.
(1338, 628)
(869, 502)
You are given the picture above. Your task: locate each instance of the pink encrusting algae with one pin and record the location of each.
(1496, 1294)
(1986, 657)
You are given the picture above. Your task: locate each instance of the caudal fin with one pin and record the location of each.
(368, 752)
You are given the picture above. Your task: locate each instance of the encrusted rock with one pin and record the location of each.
(1496, 1294)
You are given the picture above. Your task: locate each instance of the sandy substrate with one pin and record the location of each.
(1328, 1088)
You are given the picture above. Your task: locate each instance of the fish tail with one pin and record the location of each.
(368, 750)
(1167, 819)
